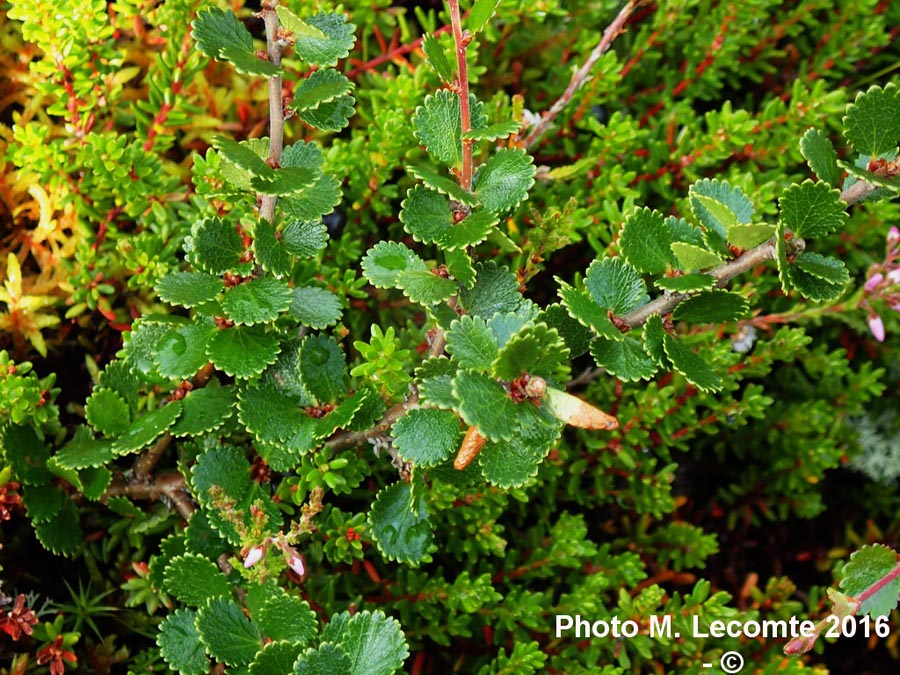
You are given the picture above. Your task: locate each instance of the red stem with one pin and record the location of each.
(276, 104)
(878, 585)
(462, 39)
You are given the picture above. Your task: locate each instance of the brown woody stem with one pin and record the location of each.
(580, 77)
(276, 103)
(170, 485)
(461, 40)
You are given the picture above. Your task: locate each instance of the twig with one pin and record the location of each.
(349, 439)
(580, 77)
(276, 103)
(747, 261)
(462, 40)
(170, 485)
(144, 464)
(666, 303)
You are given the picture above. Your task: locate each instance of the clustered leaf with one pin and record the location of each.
(872, 123)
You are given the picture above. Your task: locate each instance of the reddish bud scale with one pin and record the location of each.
(471, 446)
(572, 410)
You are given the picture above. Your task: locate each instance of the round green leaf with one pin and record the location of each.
(62, 533)
(179, 643)
(400, 526)
(323, 367)
(485, 403)
(215, 29)
(718, 205)
(308, 207)
(276, 658)
(694, 368)
(830, 270)
(653, 336)
(320, 87)
(496, 290)
(271, 415)
(624, 359)
(435, 382)
(327, 659)
(646, 240)
(193, 579)
(812, 210)
(315, 307)
(94, 481)
(107, 412)
(27, 455)
(43, 501)
(216, 247)
(286, 617)
(229, 636)
(819, 153)
(438, 127)
(147, 428)
(256, 301)
(585, 311)
(336, 43)
(505, 179)
(331, 116)
(426, 215)
(426, 436)
(204, 410)
(615, 285)
(425, 287)
(270, 252)
(866, 567)
(142, 345)
(373, 641)
(513, 463)
(692, 257)
(536, 350)
(81, 454)
(872, 124)
(189, 289)
(182, 350)
(243, 351)
(471, 343)
(385, 261)
(714, 306)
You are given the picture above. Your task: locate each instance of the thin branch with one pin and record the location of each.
(580, 77)
(747, 261)
(144, 464)
(276, 103)
(667, 302)
(170, 485)
(461, 40)
(349, 439)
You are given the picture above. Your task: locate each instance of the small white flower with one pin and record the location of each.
(254, 555)
(876, 325)
(893, 235)
(873, 281)
(296, 563)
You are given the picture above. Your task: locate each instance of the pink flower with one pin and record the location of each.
(894, 275)
(254, 555)
(873, 281)
(295, 562)
(876, 325)
(893, 235)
